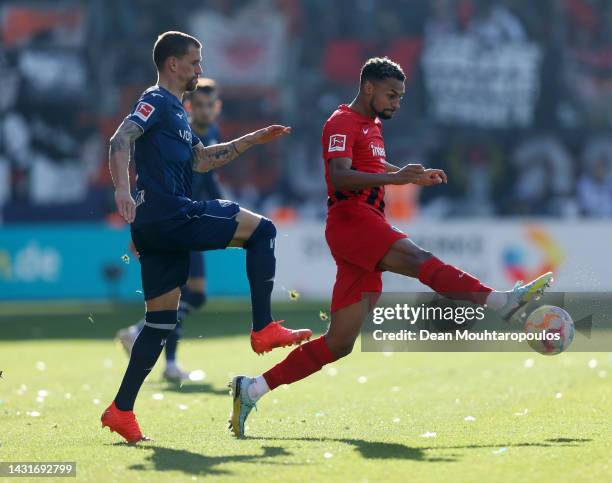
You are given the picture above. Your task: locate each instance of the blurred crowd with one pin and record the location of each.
(513, 98)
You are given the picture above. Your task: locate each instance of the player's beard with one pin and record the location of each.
(386, 114)
(191, 85)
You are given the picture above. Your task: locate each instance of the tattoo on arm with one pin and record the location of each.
(211, 157)
(121, 151)
(124, 137)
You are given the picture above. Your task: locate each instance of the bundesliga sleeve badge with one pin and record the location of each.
(144, 110)
(337, 142)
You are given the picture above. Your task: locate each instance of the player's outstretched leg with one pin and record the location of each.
(299, 363)
(406, 258)
(257, 235)
(159, 322)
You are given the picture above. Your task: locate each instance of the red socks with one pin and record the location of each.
(300, 363)
(452, 282)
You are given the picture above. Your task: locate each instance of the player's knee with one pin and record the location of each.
(265, 231)
(268, 229)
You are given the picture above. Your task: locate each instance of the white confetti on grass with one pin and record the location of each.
(327, 455)
(68, 395)
(429, 434)
(41, 366)
(387, 353)
(197, 375)
(396, 420)
(558, 395)
(528, 364)
(34, 414)
(43, 393)
(362, 379)
(522, 413)
(108, 363)
(500, 451)
(40, 399)
(158, 396)
(96, 401)
(395, 389)
(469, 418)
(332, 371)
(593, 363)
(183, 407)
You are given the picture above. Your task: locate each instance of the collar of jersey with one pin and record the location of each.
(172, 96)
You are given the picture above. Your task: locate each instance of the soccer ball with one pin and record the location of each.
(552, 330)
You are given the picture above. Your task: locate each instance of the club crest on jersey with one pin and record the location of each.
(337, 142)
(144, 110)
(377, 151)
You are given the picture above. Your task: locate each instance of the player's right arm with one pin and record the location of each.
(121, 147)
(338, 140)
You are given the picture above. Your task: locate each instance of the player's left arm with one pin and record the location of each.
(217, 155)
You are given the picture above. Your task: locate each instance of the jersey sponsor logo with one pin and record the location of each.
(144, 110)
(378, 151)
(185, 134)
(365, 130)
(337, 142)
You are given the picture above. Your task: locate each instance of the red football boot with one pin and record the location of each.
(275, 335)
(122, 422)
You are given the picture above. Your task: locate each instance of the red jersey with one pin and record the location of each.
(348, 134)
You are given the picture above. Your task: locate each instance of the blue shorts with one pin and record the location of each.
(165, 247)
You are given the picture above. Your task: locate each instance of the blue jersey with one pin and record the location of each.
(205, 186)
(163, 157)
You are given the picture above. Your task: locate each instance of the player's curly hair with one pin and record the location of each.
(379, 68)
(172, 44)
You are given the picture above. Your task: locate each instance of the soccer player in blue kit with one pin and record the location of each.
(166, 225)
(204, 106)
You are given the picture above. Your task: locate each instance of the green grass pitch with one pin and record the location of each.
(369, 417)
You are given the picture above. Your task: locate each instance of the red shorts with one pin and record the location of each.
(358, 236)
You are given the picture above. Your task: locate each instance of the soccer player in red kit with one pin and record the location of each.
(361, 240)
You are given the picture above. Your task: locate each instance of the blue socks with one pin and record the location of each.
(190, 301)
(172, 342)
(146, 350)
(261, 267)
